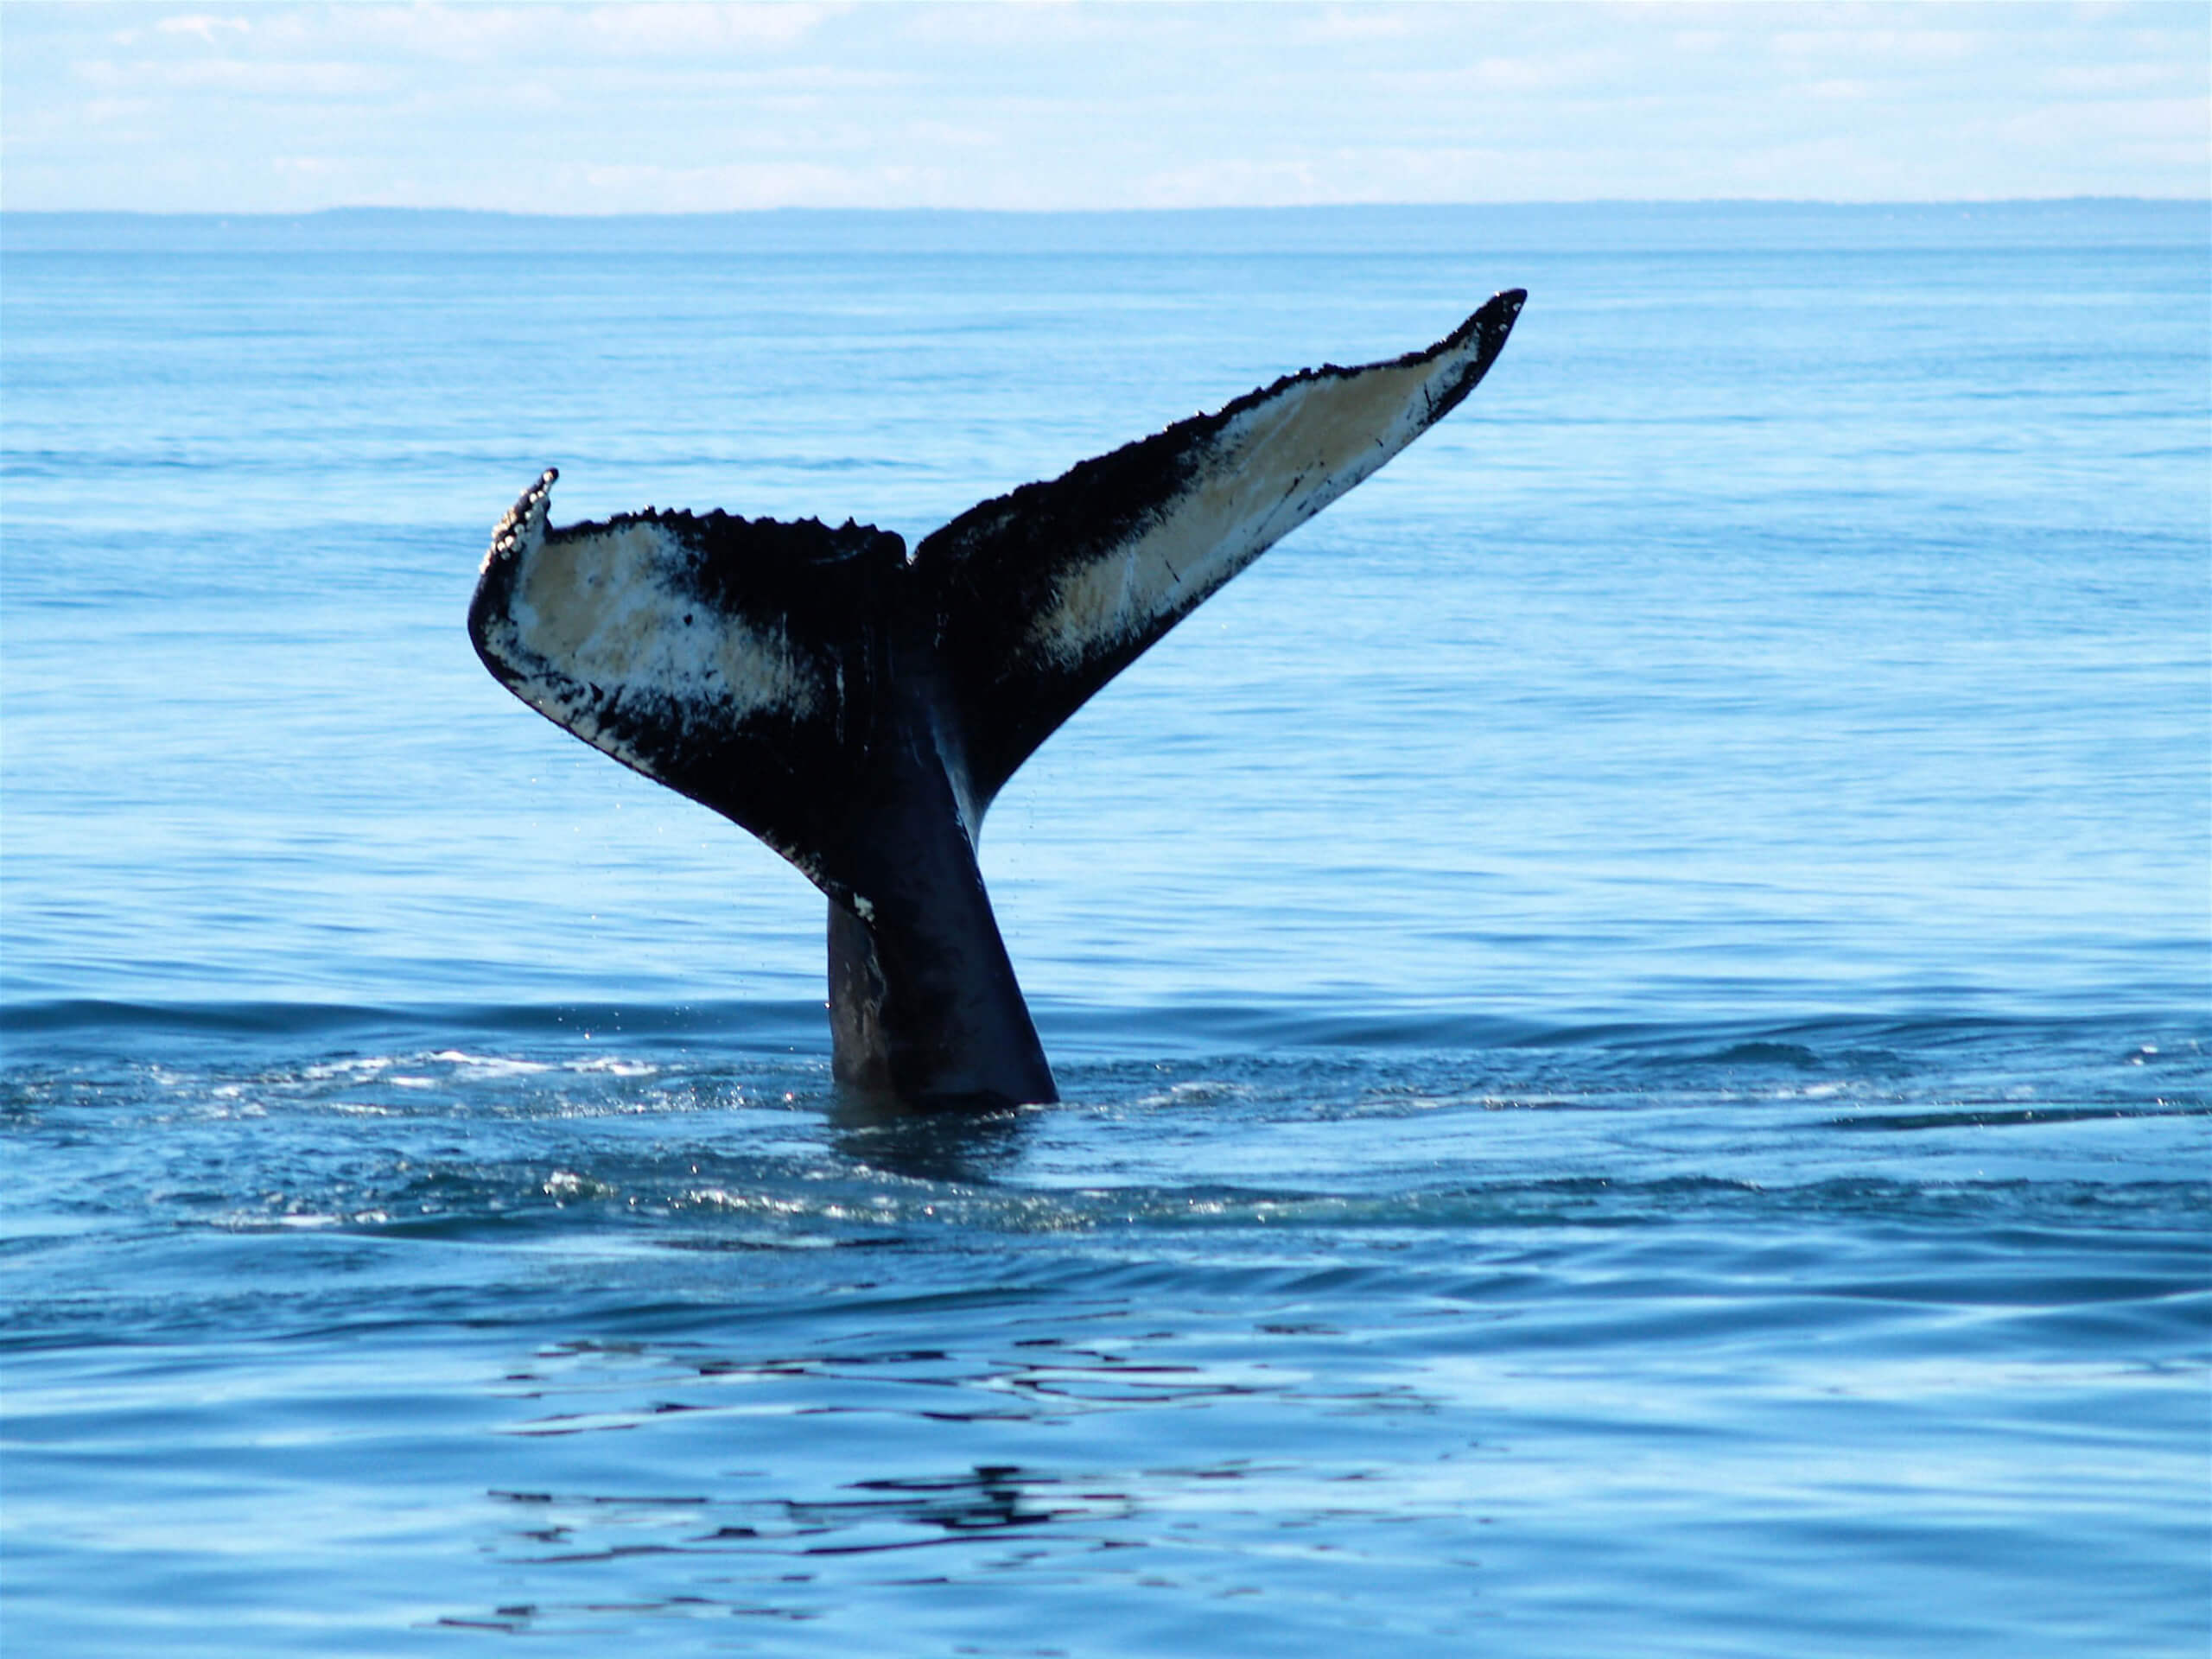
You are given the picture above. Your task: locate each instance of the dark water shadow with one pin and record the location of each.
(952, 1146)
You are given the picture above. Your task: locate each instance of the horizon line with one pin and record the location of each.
(362, 208)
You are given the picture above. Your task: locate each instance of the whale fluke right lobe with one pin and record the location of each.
(1045, 595)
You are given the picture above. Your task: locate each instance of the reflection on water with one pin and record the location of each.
(760, 1525)
(952, 1147)
(1548, 1340)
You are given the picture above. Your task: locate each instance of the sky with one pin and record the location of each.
(673, 108)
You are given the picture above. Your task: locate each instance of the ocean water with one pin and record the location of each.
(1632, 1001)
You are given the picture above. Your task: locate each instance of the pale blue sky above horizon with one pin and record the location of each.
(671, 108)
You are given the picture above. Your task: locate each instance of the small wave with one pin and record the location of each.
(419, 1048)
(2147, 1036)
(2009, 1116)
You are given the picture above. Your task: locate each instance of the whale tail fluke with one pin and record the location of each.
(858, 710)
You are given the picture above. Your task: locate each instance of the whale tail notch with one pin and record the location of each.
(858, 709)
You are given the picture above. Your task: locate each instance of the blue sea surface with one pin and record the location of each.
(1632, 1001)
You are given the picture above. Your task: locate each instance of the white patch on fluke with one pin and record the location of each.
(615, 611)
(1272, 468)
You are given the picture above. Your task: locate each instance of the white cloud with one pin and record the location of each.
(1919, 42)
(659, 29)
(492, 34)
(741, 185)
(206, 29)
(1355, 23)
(118, 111)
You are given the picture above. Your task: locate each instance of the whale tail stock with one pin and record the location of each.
(858, 709)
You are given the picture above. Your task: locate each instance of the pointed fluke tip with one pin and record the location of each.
(1496, 315)
(1486, 330)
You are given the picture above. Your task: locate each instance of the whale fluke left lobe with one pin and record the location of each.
(733, 659)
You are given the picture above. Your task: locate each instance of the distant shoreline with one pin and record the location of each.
(1690, 204)
(1564, 227)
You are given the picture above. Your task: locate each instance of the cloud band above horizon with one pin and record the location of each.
(681, 108)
